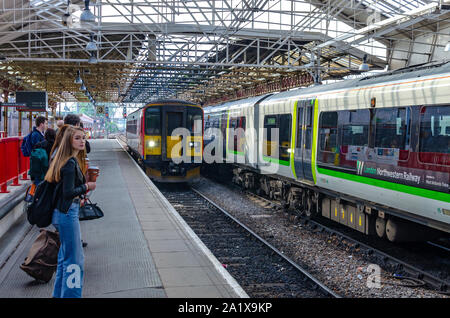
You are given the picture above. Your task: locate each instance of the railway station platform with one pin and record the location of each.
(141, 248)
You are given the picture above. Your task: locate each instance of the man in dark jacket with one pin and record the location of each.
(37, 136)
(39, 130)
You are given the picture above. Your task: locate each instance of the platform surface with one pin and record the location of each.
(140, 248)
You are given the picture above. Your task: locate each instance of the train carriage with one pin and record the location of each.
(152, 137)
(372, 153)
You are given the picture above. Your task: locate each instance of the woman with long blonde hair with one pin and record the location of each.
(67, 169)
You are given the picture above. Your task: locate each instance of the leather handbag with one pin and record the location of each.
(90, 211)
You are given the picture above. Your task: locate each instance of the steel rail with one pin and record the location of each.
(439, 284)
(298, 267)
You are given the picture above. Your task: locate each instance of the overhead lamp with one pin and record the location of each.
(82, 88)
(78, 79)
(91, 46)
(364, 67)
(447, 47)
(92, 58)
(87, 15)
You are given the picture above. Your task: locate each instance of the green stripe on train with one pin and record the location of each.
(429, 194)
(278, 161)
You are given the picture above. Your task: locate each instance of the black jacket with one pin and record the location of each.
(72, 185)
(47, 145)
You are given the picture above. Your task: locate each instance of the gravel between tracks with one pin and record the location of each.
(324, 256)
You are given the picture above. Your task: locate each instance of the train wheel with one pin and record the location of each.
(380, 227)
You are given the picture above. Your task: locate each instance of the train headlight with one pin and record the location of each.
(194, 144)
(151, 143)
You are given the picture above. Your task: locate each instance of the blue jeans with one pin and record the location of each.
(70, 269)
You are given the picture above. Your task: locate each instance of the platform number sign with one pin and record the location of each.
(100, 110)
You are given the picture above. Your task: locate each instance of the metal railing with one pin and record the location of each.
(13, 164)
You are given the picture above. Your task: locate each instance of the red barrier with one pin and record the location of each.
(12, 163)
(24, 163)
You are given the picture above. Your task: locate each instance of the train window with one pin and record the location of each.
(194, 120)
(299, 127)
(269, 122)
(285, 136)
(283, 123)
(328, 131)
(237, 123)
(174, 120)
(153, 121)
(434, 142)
(132, 126)
(216, 122)
(392, 128)
(308, 127)
(354, 125)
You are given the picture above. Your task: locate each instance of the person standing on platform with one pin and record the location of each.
(39, 159)
(35, 137)
(59, 124)
(48, 142)
(74, 120)
(68, 170)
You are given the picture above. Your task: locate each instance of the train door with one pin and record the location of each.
(303, 147)
(174, 117)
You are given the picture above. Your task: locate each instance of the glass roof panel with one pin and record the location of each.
(394, 7)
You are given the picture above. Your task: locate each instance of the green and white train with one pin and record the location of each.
(371, 153)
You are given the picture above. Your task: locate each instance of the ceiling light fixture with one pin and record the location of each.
(91, 46)
(364, 67)
(87, 15)
(78, 79)
(92, 59)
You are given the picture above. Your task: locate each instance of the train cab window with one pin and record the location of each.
(328, 131)
(153, 121)
(392, 131)
(194, 120)
(174, 120)
(434, 142)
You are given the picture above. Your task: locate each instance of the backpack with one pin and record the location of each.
(26, 146)
(40, 211)
(42, 259)
(38, 163)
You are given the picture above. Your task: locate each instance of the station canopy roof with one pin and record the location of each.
(204, 51)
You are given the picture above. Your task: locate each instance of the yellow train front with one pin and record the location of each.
(166, 137)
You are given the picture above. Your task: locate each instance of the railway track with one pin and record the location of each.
(261, 269)
(403, 270)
